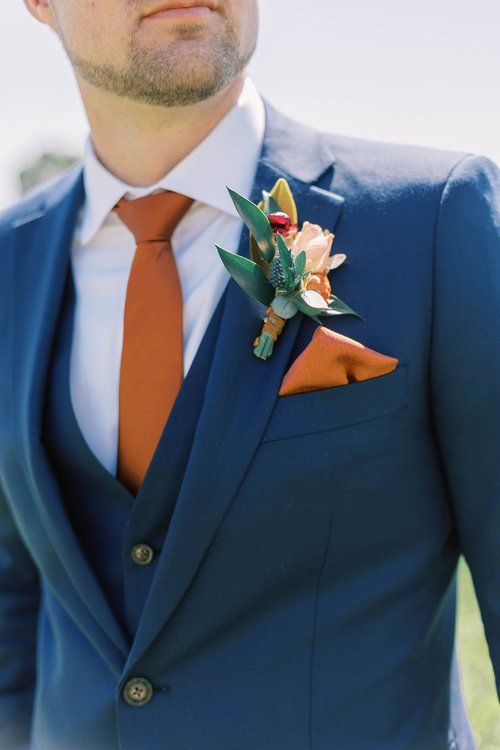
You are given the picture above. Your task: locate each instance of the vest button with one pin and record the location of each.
(142, 554)
(137, 691)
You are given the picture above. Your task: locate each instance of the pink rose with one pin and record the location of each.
(317, 243)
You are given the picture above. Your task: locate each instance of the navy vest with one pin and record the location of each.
(109, 521)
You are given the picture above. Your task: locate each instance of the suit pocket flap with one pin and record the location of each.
(342, 405)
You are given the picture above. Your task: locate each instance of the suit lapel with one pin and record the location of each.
(41, 262)
(226, 439)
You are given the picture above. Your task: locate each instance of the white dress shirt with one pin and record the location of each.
(103, 250)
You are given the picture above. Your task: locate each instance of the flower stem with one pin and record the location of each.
(271, 329)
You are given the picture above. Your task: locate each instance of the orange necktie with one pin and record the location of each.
(151, 370)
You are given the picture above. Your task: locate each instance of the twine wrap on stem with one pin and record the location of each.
(273, 325)
(319, 282)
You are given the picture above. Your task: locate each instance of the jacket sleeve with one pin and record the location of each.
(465, 373)
(19, 604)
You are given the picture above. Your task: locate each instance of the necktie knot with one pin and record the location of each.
(153, 217)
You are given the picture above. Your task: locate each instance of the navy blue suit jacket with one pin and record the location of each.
(305, 596)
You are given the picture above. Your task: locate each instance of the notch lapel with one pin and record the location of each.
(226, 439)
(41, 260)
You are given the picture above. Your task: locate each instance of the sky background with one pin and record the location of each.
(425, 73)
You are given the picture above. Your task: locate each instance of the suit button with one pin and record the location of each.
(137, 691)
(142, 554)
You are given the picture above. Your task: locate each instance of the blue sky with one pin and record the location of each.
(391, 70)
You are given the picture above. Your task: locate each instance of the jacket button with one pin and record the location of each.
(137, 691)
(142, 554)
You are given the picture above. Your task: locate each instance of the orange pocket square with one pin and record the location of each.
(333, 359)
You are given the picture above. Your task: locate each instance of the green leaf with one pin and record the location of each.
(311, 312)
(248, 275)
(256, 256)
(338, 307)
(300, 262)
(257, 223)
(270, 205)
(284, 306)
(287, 263)
(301, 300)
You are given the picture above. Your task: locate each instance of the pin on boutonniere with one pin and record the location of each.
(288, 270)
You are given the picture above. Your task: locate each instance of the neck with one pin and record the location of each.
(140, 143)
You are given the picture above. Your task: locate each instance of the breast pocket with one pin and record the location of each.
(340, 406)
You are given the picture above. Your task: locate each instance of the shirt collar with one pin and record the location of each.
(227, 156)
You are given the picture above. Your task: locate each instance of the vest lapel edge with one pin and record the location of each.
(41, 260)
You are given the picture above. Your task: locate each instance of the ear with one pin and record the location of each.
(42, 11)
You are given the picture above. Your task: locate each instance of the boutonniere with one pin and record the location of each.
(288, 270)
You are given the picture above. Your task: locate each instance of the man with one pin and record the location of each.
(189, 560)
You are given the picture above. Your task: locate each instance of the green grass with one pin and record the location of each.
(477, 673)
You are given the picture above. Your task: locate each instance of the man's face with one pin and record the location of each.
(117, 46)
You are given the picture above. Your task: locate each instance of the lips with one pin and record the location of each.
(176, 7)
(200, 11)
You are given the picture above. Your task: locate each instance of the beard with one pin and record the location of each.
(185, 73)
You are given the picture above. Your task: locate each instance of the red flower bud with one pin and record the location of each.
(280, 222)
